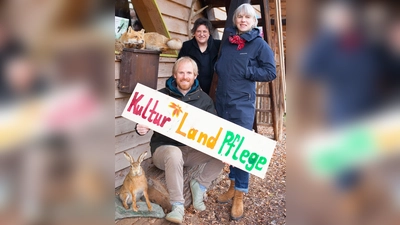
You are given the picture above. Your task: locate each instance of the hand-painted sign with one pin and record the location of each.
(200, 130)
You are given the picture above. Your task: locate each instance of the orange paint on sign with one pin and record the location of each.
(202, 137)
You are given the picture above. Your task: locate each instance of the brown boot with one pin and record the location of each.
(237, 206)
(224, 198)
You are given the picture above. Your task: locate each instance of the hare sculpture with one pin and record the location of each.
(135, 184)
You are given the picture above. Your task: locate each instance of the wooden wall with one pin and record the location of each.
(175, 14)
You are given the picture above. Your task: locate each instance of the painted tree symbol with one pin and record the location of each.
(177, 109)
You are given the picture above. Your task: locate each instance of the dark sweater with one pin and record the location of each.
(195, 97)
(205, 60)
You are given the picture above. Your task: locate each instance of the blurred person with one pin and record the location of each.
(203, 49)
(345, 62)
(244, 59)
(170, 155)
(18, 73)
(340, 60)
(21, 79)
(74, 175)
(392, 61)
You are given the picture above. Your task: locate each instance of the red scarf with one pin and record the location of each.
(236, 39)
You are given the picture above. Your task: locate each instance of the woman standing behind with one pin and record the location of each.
(204, 50)
(244, 59)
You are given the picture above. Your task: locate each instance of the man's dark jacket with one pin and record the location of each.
(195, 97)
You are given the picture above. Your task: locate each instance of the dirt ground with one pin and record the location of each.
(264, 204)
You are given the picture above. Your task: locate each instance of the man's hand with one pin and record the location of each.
(141, 129)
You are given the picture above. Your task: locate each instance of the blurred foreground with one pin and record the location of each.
(56, 111)
(57, 101)
(344, 113)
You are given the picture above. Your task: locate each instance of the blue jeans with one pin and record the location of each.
(241, 179)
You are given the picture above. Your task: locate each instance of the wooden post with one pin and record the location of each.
(277, 85)
(277, 96)
(281, 49)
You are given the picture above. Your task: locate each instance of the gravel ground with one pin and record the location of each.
(264, 204)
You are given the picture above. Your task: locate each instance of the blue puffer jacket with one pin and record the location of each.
(238, 70)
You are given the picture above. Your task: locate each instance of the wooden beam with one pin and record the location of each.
(281, 50)
(211, 17)
(150, 16)
(266, 17)
(278, 97)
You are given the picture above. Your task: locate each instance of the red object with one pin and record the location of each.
(236, 39)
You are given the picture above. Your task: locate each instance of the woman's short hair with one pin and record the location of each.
(245, 9)
(185, 59)
(201, 21)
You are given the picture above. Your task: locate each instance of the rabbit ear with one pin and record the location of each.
(141, 157)
(129, 157)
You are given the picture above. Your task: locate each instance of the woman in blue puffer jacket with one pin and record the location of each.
(244, 59)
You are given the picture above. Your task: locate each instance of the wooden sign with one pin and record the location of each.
(200, 130)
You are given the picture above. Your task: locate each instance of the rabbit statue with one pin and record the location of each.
(134, 184)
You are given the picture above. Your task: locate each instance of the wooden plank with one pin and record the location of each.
(177, 26)
(121, 162)
(173, 9)
(165, 69)
(265, 124)
(150, 16)
(118, 94)
(220, 13)
(220, 32)
(266, 24)
(263, 110)
(263, 95)
(211, 16)
(123, 126)
(165, 59)
(258, 10)
(117, 69)
(120, 176)
(130, 140)
(281, 53)
(186, 3)
(182, 37)
(119, 106)
(161, 83)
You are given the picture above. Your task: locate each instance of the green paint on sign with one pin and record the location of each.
(354, 146)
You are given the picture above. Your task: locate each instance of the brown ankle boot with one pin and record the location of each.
(224, 198)
(237, 205)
